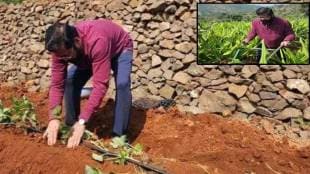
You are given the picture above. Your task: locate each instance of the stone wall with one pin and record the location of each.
(164, 34)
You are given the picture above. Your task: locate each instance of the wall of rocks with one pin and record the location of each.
(164, 34)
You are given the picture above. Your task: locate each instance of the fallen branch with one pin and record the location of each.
(131, 160)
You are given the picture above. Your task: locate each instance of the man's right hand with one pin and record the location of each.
(245, 41)
(52, 131)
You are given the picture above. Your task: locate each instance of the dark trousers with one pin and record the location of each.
(76, 79)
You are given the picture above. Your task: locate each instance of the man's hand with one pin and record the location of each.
(245, 41)
(285, 43)
(75, 139)
(52, 131)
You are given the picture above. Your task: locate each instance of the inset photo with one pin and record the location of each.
(253, 34)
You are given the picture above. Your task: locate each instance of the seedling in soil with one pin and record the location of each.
(92, 170)
(5, 114)
(23, 113)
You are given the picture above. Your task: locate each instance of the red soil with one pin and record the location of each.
(179, 143)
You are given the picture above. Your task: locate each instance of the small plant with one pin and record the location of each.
(92, 170)
(5, 114)
(23, 113)
(121, 148)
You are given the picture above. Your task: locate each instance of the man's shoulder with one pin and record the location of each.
(91, 22)
(282, 21)
(256, 22)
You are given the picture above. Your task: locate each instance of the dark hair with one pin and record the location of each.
(264, 10)
(59, 34)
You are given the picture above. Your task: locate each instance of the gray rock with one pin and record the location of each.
(263, 111)
(36, 47)
(164, 26)
(152, 88)
(195, 70)
(143, 48)
(189, 58)
(177, 65)
(274, 105)
(166, 53)
(166, 65)
(267, 95)
(245, 105)
(184, 47)
(218, 81)
(156, 60)
(167, 92)
(289, 113)
(227, 69)
(253, 98)
(43, 63)
(290, 96)
(289, 74)
(213, 74)
(146, 16)
(270, 67)
(182, 77)
(267, 126)
(183, 99)
(194, 93)
(300, 104)
(275, 76)
(168, 74)
(178, 55)
(307, 113)
(294, 68)
(213, 103)
(237, 90)
(249, 70)
(167, 44)
(239, 80)
(298, 84)
(25, 70)
(154, 73)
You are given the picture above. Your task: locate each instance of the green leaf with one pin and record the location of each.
(122, 157)
(118, 141)
(88, 135)
(263, 58)
(92, 170)
(137, 149)
(97, 157)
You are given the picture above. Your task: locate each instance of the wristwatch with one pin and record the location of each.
(81, 121)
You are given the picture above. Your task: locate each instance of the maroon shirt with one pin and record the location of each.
(101, 41)
(279, 30)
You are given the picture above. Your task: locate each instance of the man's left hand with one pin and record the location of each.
(284, 43)
(75, 139)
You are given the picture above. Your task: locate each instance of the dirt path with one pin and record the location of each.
(181, 144)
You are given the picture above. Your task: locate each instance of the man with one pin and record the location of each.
(273, 30)
(93, 47)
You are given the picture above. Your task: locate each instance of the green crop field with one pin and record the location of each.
(221, 43)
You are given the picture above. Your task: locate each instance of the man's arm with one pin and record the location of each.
(56, 92)
(252, 34)
(101, 67)
(288, 32)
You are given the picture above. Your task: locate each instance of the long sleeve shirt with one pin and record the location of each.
(101, 41)
(279, 30)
